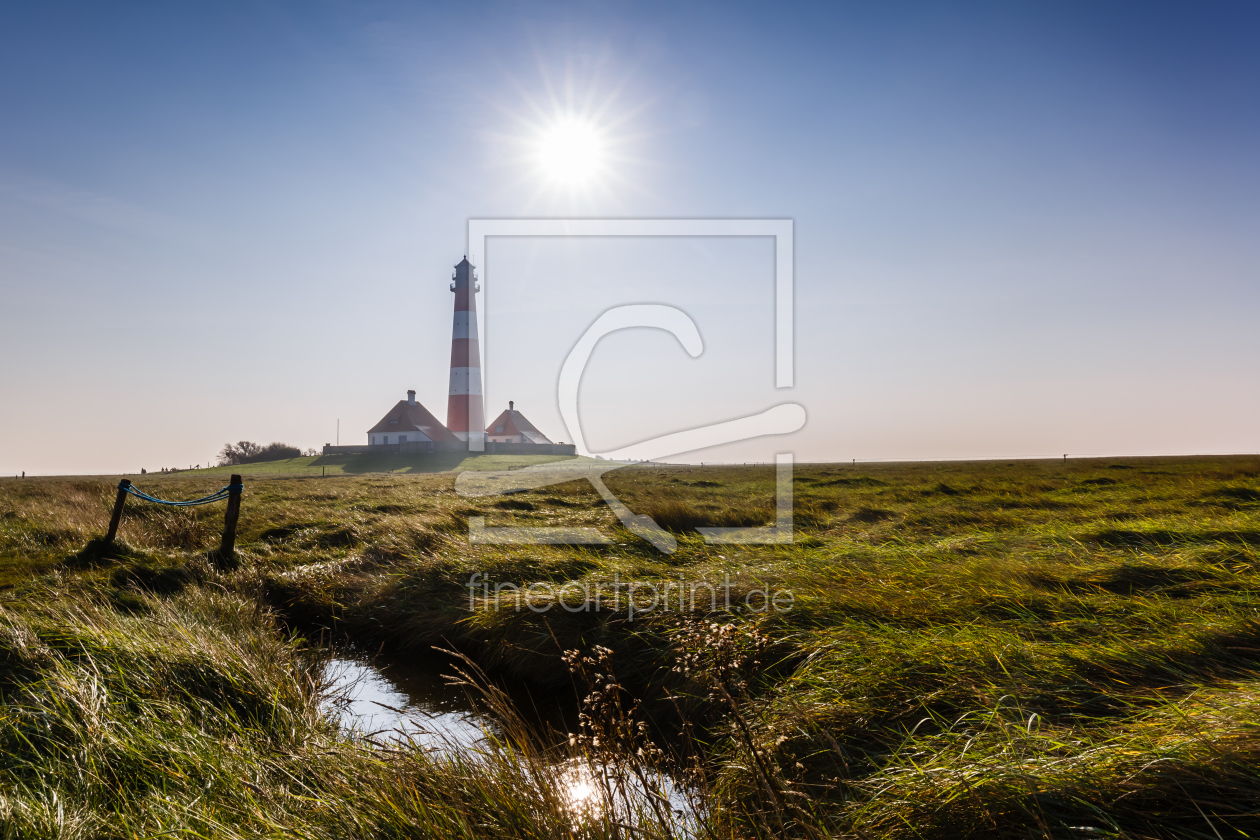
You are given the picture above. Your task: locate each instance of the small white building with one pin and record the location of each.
(512, 427)
(409, 422)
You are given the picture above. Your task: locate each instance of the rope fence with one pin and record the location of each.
(216, 496)
(231, 492)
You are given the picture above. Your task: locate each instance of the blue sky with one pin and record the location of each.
(1022, 229)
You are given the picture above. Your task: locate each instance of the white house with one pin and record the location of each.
(512, 427)
(409, 422)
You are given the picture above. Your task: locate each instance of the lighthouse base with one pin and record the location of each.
(476, 440)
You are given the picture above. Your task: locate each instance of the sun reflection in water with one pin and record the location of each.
(581, 788)
(600, 791)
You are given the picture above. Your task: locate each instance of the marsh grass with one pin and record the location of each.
(1000, 650)
(196, 717)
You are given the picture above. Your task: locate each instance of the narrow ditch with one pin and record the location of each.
(391, 701)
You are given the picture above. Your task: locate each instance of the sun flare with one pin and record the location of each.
(571, 151)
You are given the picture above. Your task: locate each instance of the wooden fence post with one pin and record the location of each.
(116, 518)
(229, 518)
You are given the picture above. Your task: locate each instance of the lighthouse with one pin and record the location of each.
(464, 414)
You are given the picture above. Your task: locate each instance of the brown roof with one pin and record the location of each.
(412, 417)
(515, 423)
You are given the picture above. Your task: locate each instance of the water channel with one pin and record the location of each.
(392, 701)
(388, 700)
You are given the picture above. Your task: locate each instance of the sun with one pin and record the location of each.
(575, 139)
(571, 151)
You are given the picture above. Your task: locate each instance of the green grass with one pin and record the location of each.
(1026, 649)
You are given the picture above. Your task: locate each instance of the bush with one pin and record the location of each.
(248, 452)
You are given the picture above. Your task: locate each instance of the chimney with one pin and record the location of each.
(411, 398)
(510, 404)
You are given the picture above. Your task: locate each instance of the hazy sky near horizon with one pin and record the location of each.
(1022, 229)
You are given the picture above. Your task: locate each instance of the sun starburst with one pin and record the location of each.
(570, 151)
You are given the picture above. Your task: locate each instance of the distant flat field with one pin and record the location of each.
(363, 464)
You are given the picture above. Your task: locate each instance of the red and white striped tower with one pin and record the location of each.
(464, 414)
